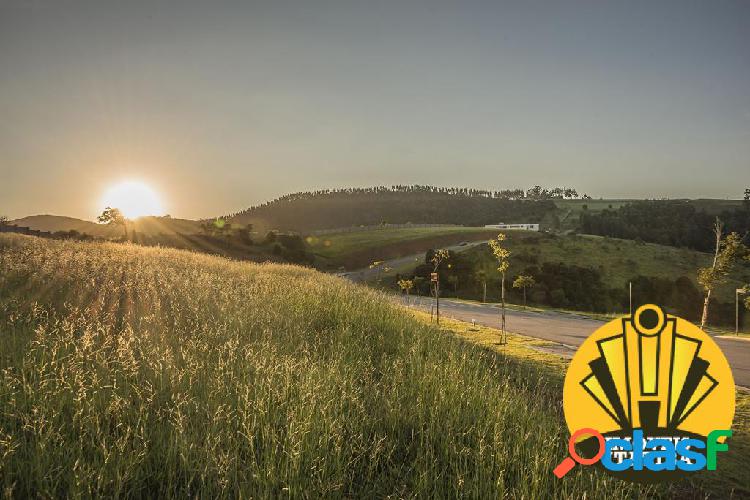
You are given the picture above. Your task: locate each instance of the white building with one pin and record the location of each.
(521, 227)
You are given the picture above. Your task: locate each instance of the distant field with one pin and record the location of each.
(358, 249)
(617, 260)
(128, 372)
(569, 211)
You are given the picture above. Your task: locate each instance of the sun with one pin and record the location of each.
(134, 199)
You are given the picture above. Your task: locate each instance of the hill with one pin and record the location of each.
(128, 371)
(332, 209)
(357, 249)
(591, 273)
(146, 226)
(680, 223)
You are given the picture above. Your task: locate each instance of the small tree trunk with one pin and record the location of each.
(437, 301)
(704, 316)
(524, 297)
(484, 292)
(717, 232)
(502, 313)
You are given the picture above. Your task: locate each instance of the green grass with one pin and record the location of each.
(732, 478)
(128, 372)
(618, 260)
(357, 249)
(569, 211)
(340, 244)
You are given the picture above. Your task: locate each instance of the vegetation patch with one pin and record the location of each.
(131, 371)
(730, 480)
(353, 250)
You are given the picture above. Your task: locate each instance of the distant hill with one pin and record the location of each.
(147, 226)
(306, 212)
(680, 223)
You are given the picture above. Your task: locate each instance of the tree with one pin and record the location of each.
(246, 233)
(482, 273)
(725, 253)
(453, 280)
(113, 217)
(405, 286)
(502, 255)
(4, 220)
(438, 257)
(523, 282)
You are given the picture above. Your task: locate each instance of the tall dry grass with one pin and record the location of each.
(132, 372)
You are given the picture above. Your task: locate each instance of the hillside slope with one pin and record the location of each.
(130, 371)
(307, 212)
(146, 226)
(591, 273)
(354, 250)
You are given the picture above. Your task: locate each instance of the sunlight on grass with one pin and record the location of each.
(129, 371)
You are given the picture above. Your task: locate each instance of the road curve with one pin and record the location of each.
(568, 329)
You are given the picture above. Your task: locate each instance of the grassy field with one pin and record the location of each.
(569, 211)
(732, 479)
(617, 260)
(129, 371)
(358, 249)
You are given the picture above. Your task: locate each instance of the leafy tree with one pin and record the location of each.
(523, 282)
(113, 217)
(453, 280)
(678, 223)
(4, 220)
(726, 252)
(245, 232)
(502, 255)
(406, 286)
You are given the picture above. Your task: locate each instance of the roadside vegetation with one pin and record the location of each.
(130, 371)
(590, 273)
(732, 478)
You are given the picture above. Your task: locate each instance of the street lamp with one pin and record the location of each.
(737, 293)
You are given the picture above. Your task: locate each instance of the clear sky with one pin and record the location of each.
(220, 105)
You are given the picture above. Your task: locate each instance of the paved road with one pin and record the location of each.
(569, 329)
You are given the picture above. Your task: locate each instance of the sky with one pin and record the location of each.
(221, 105)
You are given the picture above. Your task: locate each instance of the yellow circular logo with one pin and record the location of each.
(653, 376)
